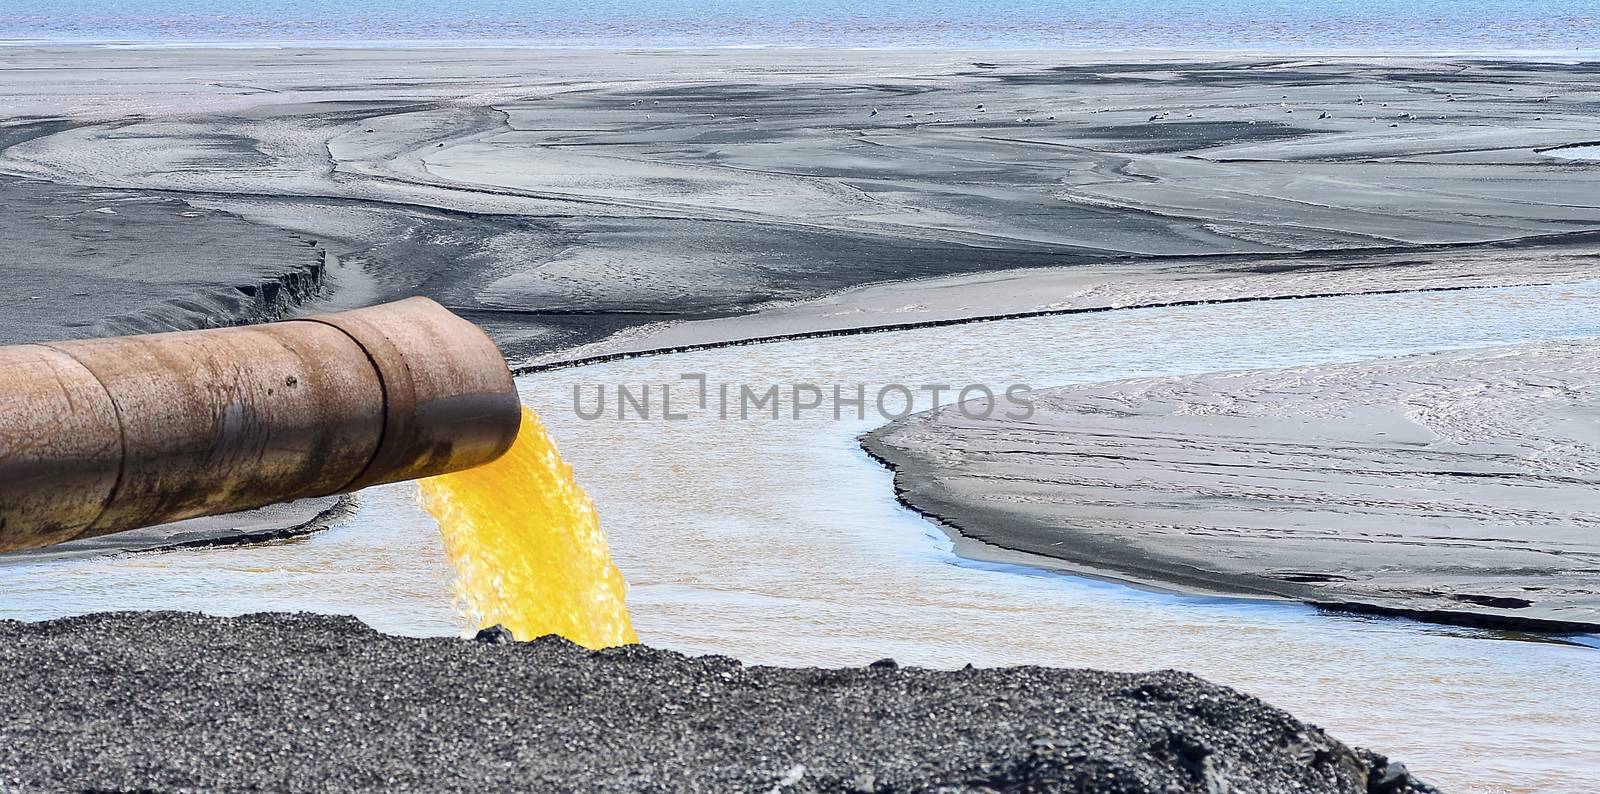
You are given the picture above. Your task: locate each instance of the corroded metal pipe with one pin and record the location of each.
(104, 435)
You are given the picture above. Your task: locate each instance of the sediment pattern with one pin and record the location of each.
(1455, 487)
(81, 263)
(559, 198)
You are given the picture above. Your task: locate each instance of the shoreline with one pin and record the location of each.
(1088, 53)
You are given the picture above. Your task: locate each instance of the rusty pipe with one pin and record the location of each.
(104, 435)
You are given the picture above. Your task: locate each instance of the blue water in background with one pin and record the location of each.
(1532, 26)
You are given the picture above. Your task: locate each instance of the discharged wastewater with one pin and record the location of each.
(527, 547)
(779, 541)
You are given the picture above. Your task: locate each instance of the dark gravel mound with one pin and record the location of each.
(170, 701)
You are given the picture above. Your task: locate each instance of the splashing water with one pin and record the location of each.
(527, 547)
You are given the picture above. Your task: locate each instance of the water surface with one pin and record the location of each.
(779, 541)
(1546, 26)
(1588, 151)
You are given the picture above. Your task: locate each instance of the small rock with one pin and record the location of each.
(495, 635)
(885, 663)
(1392, 777)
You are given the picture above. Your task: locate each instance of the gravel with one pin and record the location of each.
(183, 702)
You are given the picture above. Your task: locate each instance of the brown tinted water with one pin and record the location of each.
(780, 542)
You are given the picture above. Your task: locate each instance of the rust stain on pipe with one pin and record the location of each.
(104, 435)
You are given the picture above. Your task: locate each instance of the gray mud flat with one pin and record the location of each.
(563, 198)
(1455, 487)
(172, 702)
(78, 262)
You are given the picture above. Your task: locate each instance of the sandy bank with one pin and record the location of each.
(1455, 487)
(298, 703)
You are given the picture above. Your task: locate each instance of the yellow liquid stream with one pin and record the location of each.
(527, 547)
